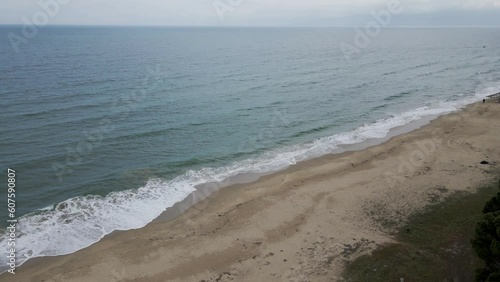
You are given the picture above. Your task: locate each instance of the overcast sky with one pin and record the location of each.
(253, 12)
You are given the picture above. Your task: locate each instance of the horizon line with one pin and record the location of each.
(255, 26)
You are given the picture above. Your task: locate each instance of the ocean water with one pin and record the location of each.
(107, 127)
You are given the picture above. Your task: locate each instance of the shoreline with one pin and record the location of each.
(361, 137)
(295, 180)
(208, 190)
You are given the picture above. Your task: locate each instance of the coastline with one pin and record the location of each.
(297, 221)
(211, 190)
(164, 199)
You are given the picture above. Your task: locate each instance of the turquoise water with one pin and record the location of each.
(107, 127)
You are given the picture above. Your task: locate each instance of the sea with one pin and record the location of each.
(107, 127)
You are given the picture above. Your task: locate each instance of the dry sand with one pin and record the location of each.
(302, 224)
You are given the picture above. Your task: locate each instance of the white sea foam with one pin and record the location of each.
(79, 222)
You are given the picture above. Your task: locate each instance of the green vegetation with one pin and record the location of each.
(434, 246)
(486, 241)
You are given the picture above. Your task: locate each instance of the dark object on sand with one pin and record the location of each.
(485, 162)
(484, 101)
(484, 46)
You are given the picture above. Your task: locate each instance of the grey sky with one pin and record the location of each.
(252, 12)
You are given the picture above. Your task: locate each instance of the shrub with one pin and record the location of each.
(486, 242)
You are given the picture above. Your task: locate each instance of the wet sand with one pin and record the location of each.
(301, 224)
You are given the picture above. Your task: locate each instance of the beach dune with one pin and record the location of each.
(301, 224)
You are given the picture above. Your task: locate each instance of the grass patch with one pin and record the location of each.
(433, 246)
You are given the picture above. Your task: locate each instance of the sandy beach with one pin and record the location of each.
(301, 224)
